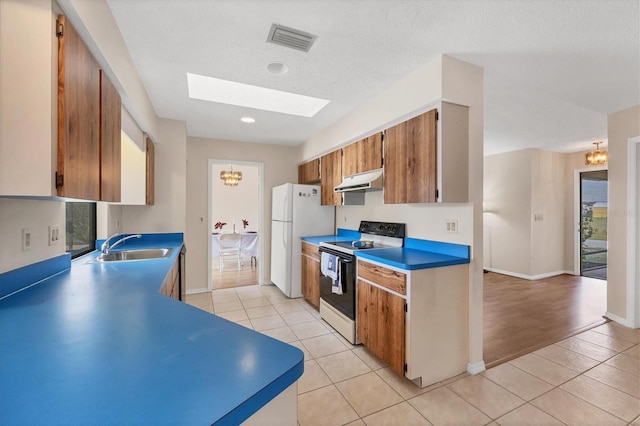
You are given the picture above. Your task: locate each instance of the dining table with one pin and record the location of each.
(248, 245)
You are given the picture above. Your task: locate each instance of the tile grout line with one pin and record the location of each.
(351, 348)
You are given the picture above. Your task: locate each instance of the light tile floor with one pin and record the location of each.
(591, 378)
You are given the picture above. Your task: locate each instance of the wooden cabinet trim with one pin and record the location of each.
(331, 172)
(309, 172)
(150, 178)
(310, 250)
(381, 324)
(78, 117)
(410, 160)
(110, 140)
(385, 277)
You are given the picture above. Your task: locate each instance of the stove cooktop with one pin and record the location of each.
(349, 245)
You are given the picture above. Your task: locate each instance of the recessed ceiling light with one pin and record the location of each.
(277, 68)
(248, 120)
(232, 93)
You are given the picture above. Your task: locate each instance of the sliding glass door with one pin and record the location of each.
(593, 223)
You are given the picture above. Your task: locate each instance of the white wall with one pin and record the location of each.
(279, 167)
(169, 211)
(28, 100)
(231, 204)
(36, 215)
(622, 126)
(518, 186)
(133, 171)
(424, 221)
(507, 216)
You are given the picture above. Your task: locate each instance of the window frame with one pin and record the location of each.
(92, 231)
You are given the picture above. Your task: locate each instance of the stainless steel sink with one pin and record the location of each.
(129, 255)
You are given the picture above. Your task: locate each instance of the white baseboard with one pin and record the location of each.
(476, 367)
(529, 277)
(198, 290)
(620, 320)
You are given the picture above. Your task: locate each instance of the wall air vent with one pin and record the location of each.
(289, 37)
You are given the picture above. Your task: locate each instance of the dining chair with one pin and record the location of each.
(230, 246)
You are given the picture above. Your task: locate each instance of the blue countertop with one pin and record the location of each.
(98, 344)
(410, 259)
(416, 254)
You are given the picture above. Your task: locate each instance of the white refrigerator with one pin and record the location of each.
(295, 212)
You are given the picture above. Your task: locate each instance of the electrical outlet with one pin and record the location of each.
(54, 234)
(26, 239)
(452, 226)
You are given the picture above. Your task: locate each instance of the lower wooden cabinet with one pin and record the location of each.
(381, 324)
(311, 274)
(171, 285)
(417, 321)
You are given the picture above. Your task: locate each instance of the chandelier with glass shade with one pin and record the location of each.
(230, 177)
(597, 157)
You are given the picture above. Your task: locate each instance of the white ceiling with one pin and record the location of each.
(553, 69)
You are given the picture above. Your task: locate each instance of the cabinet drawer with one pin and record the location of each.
(310, 250)
(393, 280)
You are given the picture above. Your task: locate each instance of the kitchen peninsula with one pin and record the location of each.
(97, 343)
(412, 303)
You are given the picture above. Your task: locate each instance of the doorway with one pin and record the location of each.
(235, 221)
(593, 223)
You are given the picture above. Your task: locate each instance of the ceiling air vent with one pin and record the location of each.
(288, 37)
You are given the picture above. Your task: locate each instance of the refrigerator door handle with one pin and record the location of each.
(284, 207)
(284, 236)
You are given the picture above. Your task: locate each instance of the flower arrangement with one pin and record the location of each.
(245, 223)
(219, 225)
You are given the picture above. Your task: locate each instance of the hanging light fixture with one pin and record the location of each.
(597, 157)
(230, 177)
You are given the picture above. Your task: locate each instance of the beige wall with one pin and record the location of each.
(507, 216)
(622, 126)
(548, 192)
(519, 185)
(279, 168)
(231, 204)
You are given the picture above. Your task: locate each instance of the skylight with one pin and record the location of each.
(239, 94)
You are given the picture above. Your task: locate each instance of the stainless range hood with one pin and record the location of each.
(367, 181)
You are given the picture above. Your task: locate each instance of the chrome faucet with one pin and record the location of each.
(106, 248)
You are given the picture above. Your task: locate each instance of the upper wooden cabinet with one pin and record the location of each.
(110, 140)
(309, 172)
(88, 123)
(420, 167)
(410, 166)
(78, 117)
(331, 176)
(362, 156)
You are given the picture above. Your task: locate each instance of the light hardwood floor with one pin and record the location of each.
(231, 276)
(521, 316)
